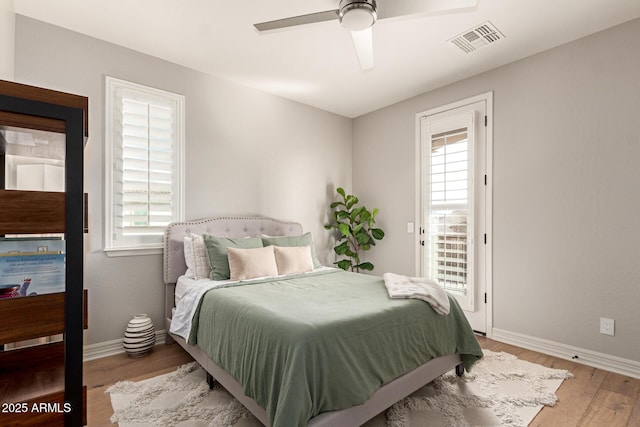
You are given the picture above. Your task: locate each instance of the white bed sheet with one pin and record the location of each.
(183, 285)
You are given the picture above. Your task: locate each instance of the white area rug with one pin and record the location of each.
(500, 390)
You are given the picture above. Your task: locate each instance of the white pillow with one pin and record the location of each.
(201, 266)
(293, 259)
(251, 263)
(188, 256)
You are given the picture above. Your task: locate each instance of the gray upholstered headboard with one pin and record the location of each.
(174, 265)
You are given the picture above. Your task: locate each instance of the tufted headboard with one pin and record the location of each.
(174, 264)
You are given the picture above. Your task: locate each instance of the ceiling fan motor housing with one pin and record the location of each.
(357, 15)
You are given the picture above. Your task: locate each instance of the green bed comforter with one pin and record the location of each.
(322, 342)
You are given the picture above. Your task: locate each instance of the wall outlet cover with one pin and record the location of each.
(607, 326)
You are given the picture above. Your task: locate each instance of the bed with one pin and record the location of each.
(304, 384)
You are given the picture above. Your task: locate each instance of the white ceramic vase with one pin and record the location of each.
(140, 336)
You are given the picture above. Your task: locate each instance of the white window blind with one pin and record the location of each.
(448, 217)
(146, 141)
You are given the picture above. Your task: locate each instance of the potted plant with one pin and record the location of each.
(355, 227)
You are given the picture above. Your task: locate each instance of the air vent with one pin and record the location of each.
(474, 39)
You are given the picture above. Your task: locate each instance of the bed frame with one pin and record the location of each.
(174, 267)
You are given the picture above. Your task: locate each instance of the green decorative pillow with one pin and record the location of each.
(217, 252)
(303, 240)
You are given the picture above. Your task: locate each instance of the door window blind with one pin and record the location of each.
(448, 217)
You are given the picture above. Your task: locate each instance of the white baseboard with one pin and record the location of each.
(113, 347)
(607, 362)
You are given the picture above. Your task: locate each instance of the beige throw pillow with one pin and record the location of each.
(293, 259)
(251, 263)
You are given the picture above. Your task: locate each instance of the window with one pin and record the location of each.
(144, 188)
(449, 199)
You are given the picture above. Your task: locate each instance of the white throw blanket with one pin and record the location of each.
(423, 288)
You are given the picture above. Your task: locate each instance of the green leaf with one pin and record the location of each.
(342, 215)
(374, 213)
(343, 264)
(363, 237)
(357, 228)
(365, 215)
(377, 233)
(345, 230)
(340, 191)
(354, 214)
(342, 248)
(365, 266)
(351, 201)
(329, 226)
(336, 204)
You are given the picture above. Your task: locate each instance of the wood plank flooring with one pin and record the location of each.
(593, 398)
(99, 374)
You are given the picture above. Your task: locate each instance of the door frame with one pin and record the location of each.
(487, 97)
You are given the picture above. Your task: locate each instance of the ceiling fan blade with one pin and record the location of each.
(310, 18)
(363, 42)
(392, 9)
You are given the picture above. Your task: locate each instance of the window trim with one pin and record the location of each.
(111, 85)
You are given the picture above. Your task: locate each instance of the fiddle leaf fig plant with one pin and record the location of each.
(356, 231)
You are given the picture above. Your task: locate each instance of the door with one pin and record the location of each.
(453, 204)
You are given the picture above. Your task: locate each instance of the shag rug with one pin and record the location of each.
(500, 390)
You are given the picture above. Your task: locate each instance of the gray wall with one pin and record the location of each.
(566, 198)
(7, 39)
(247, 152)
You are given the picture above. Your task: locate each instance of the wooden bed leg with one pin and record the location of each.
(460, 370)
(210, 380)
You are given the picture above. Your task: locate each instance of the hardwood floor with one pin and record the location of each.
(593, 398)
(99, 374)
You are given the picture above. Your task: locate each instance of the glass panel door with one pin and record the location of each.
(454, 213)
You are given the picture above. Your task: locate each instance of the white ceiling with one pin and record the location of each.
(316, 64)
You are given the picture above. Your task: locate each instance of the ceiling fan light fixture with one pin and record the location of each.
(357, 15)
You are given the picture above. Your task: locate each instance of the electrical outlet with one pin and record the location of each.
(607, 326)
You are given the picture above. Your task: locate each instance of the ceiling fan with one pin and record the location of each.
(358, 16)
